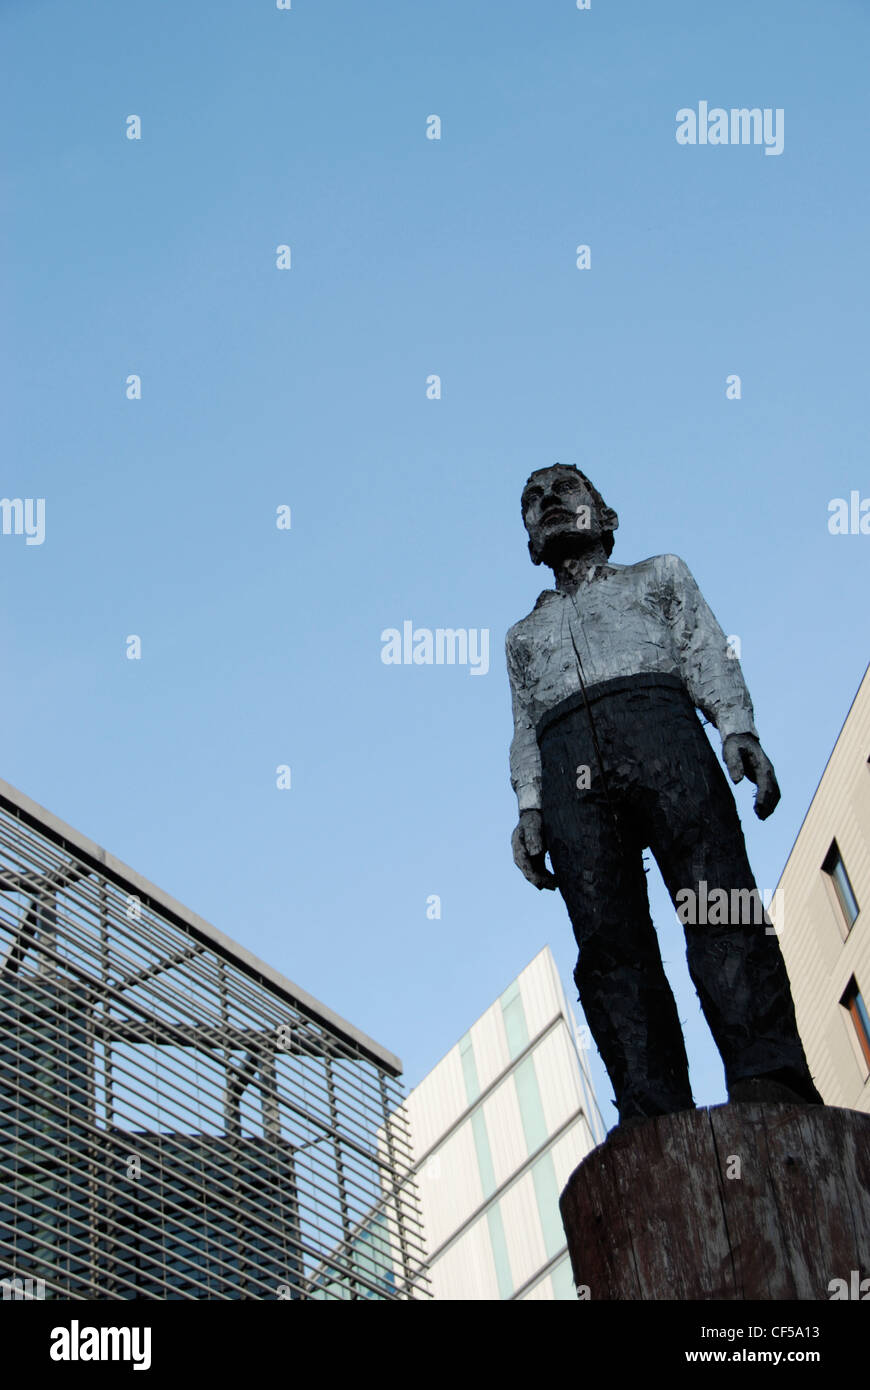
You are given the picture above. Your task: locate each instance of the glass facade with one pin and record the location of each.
(177, 1121)
(498, 1126)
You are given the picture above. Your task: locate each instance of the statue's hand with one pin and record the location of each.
(529, 850)
(744, 754)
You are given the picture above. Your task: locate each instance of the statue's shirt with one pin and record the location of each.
(624, 620)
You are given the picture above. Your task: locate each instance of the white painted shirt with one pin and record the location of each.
(625, 620)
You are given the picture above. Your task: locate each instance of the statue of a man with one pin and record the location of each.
(609, 758)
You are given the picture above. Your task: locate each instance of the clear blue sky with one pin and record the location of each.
(307, 387)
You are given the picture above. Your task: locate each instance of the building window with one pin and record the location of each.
(853, 1002)
(836, 871)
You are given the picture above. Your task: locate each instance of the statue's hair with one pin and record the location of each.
(607, 536)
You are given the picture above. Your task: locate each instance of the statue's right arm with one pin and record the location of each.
(527, 841)
(525, 759)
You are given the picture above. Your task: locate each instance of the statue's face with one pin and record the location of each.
(560, 514)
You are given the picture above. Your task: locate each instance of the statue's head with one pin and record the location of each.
(565, 514)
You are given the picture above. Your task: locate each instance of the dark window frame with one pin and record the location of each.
(842, 885)
(852, 1001)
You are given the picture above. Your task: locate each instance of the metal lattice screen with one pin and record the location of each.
(171, 1125)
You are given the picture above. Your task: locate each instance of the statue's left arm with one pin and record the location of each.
(714, 680)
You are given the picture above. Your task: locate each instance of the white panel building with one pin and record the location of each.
(821, 911)
(497, 1128)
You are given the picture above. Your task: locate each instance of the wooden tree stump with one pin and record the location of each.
(741, 1201)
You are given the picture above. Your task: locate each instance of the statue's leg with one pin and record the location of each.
(623, 989)
(735, 963)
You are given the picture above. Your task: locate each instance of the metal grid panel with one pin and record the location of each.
(171, 1125)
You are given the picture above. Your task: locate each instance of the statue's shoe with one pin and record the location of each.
(632, 1120)
(775, 1086)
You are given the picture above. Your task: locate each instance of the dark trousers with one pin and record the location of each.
(655, 782)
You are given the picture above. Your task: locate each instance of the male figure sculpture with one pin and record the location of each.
(609, 758)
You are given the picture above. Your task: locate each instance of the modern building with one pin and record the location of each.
(178, 1120)
(497, 1127)
(821, 911)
